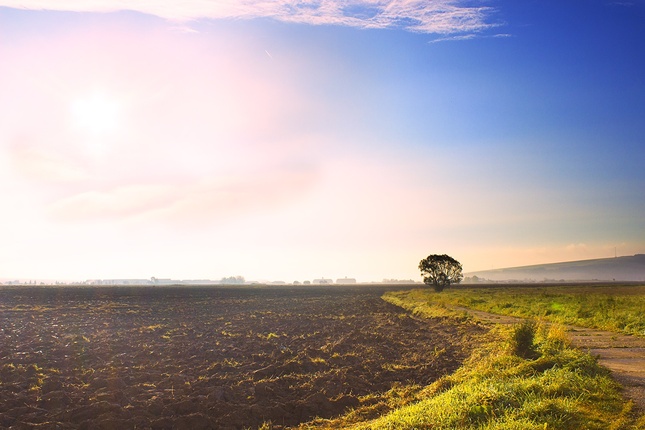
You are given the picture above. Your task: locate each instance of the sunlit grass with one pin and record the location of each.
(611, 308)
(561, 388)
(524, 377)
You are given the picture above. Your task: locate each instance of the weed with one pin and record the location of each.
(267, 425)
(150, 328)
(522, 341)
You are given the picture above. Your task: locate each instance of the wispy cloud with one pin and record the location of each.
(422, 16)
(454, 38)
(200, 202)
(469, 36)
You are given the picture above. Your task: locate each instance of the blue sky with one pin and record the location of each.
(276, 141)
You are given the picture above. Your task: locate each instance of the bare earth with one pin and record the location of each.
(191, 358)
(624, 355)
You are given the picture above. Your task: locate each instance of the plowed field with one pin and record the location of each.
(201, 358)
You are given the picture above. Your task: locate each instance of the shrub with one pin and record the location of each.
(523, 340)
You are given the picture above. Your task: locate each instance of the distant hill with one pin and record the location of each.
(602, 269)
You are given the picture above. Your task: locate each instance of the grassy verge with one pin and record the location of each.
(558, 387)
(611, 308)
(553, 387)
(525, 377)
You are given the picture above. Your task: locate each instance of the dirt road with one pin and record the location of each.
(622, 354)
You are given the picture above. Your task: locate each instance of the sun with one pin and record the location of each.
(97, 114)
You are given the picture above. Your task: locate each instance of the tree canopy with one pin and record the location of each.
(440, 271)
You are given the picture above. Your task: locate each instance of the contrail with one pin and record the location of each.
(270, 56)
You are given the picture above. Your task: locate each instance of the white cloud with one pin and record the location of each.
(454, 38)
(469, 36)
(422, 16)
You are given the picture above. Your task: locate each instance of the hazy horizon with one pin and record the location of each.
(632, 273)
(281, 140)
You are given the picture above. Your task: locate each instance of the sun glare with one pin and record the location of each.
(96, 114)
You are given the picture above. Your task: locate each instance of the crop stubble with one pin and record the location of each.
(188, 357)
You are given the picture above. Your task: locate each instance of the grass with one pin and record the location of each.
(499, 390)
(612, 308)
(561, 388)
(526, 376)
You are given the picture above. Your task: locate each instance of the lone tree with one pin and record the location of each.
(440, 271)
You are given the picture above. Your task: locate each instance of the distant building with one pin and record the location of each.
(163, 281)
(345, 281)
(198, 282)
(119, 282)
(233, 280)
(322, 281)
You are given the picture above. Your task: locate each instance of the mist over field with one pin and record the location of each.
(605, 269)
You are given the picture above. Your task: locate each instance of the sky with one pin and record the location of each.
(292, 140)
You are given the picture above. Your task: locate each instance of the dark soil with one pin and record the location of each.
(208, 358)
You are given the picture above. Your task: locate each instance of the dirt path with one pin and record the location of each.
(624, 355)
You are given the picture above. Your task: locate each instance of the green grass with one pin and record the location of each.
(612, 308)
(523, 377)
(562, 388)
